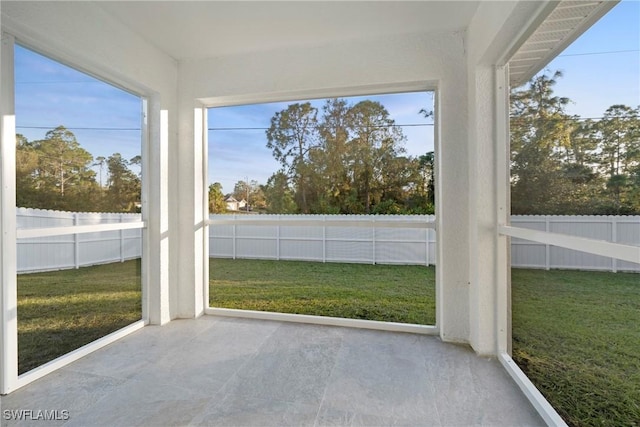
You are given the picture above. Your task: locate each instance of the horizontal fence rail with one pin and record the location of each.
(43, 242)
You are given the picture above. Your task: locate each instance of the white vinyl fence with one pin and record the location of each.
(75, 250)
(364, 243)
(617, 229)
(413, 246)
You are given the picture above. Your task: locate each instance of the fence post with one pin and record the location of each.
(234, 236)
(278, 238)
(373, 240)
(76, 244)
(614, 239)
(547, 248)
(121, 239)
(426, 240)
(324, 239)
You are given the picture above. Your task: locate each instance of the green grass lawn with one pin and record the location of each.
(61, 311)
(577, 337)
(390, 293)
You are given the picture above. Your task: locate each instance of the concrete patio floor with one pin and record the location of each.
(241, 372)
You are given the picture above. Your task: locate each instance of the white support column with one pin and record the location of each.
(191, 219)
(452, 210)
(503, 196)
(482, 216)
(155, 212)
(8, 256)
(205, 208)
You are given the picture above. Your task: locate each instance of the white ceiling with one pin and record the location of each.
(201, 29)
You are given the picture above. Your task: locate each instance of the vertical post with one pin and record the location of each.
(234, 236)
(324, 239)
(426, 241)
(502, 188)
(278, 238)
(614, 239)
(373, 240)
(547, 248)
(76, 243)
(121, 217)
(205, 208)
(8, 248)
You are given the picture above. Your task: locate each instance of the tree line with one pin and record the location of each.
(350, 159)
(344, 158)
(564, 164)
(56, 173)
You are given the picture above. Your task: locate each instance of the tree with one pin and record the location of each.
(251, 192)
(123, 186)
(426, 165)
(26, 170)
(216, 199)
(293, 132)
(540, 130)
(375, 142)
(53, 173)
(331, 161)
(421, 199)
(137, 161)
(619, 147)
(278, 195)
(62, 162)
(100, 162)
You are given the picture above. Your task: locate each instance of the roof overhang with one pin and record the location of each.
(561, 27)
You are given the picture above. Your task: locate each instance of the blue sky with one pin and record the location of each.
(238, 154)
(49, 94)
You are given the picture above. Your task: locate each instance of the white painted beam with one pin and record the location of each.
(62, 231)
(591, 246)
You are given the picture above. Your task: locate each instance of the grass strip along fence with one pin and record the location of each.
(575, 334)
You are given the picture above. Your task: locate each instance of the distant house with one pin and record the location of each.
(233, 204)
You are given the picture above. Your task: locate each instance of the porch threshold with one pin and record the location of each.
(324, 320)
